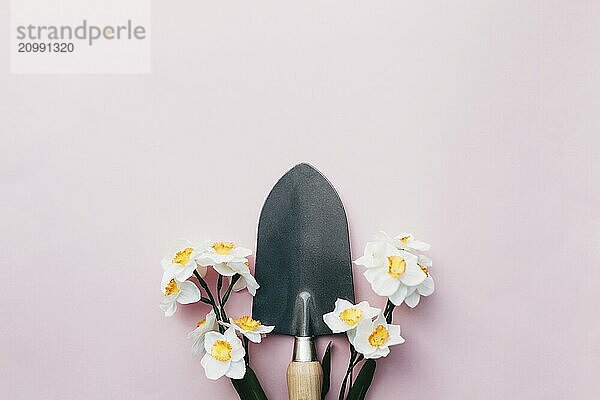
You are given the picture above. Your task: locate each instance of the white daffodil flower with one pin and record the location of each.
(177, 292)
(414, 294)
(390, 271)
(221, 255)
(346, 316)
(425, 288)
(373, 338)
(249, 327)
(208, 324)
(246, 279)
(224, 355)
(181, 261)
(403, 241)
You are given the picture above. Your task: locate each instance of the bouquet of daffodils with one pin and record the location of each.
(221, 341)
(396, 268)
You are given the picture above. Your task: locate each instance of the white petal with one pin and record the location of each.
(183, 273)
(254, 337)
(224, 269)
(198, 345)
(194, 334)
(398, 297)
(411, 290)
(189, 293)
(380, 320)
(265, 329)
(335, 323)
(166, 262)
(371, 274)
(361, 337)
(240, 252)
(383, 284)
(368, 311)
(378, 353)
(204, 360)
(413, 300)
(371, 249)
(211, 319)
(168, 307)
(403, 235)
(214, 368)
(427, 287)
(164, 281)
(237, 369)
(425, 261)
(250, 282)
(413, 276)
(351, 336)
(237, 353)
(365, 261)
(364, 328)
(205, 260)
(172, 269)
(210, 339)
(237, 349)
(230, 335)
(341, 305)
(395, 338)
(362, 345)
(418, 245)
(239, 267)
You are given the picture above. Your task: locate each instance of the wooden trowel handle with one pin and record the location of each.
(304, 374)
(304, 380)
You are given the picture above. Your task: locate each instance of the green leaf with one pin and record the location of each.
(326, 364)
(361, 385)
(248, 388)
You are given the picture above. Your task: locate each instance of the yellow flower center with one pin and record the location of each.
(223, 247)
(182, 257)
(351, 316)
(424, 269)
(396, 266)
(247, 323)
(405, 239)
(172, 288)
(199, 324)
(379, 335)
(221, 350)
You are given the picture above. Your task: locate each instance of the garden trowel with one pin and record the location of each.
(303, 265)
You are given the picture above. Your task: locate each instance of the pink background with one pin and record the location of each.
(473, 124)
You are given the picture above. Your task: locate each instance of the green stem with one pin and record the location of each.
(221, 304)
(351, 365)
(247, 356)
(355, 359)
(228, 292)
(211, 298)
(389, 311)
(358, 360)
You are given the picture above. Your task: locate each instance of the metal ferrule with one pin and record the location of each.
(304, 349)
